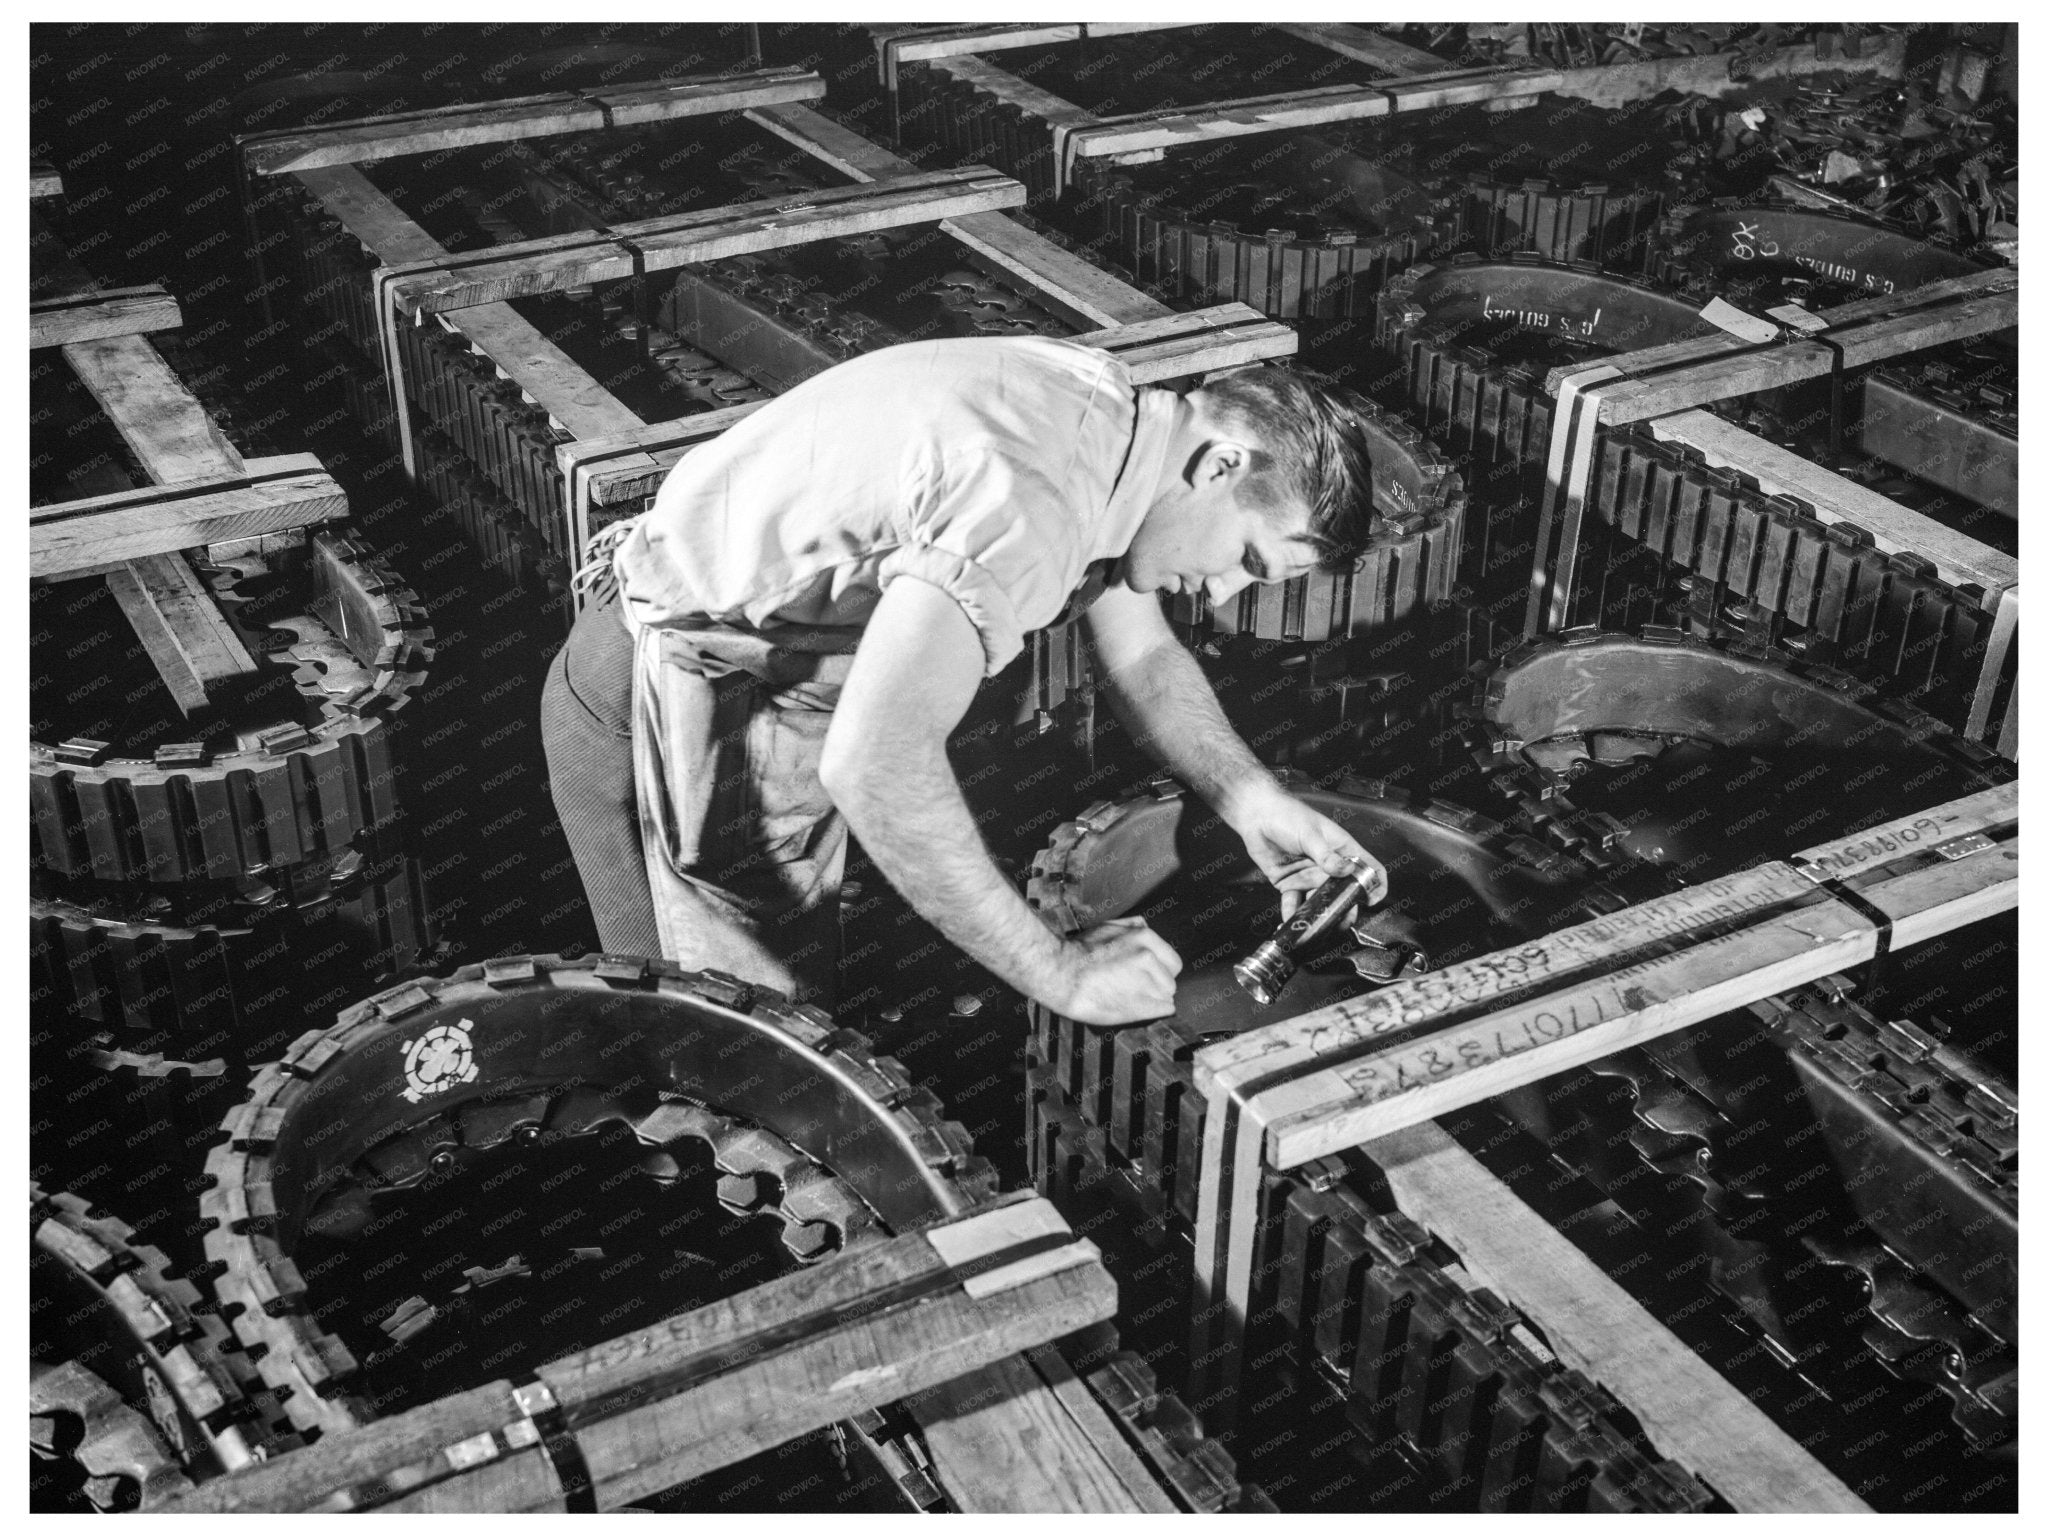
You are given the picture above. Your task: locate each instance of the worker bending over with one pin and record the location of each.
(779, 648)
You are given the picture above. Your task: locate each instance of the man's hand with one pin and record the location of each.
(1121, 973)
(1298, 848)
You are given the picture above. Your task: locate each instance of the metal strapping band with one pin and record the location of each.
(538, 1402)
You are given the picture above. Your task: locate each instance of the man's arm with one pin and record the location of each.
(1159, 692)
(885, 766)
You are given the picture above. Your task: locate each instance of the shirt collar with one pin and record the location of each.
(1138, 483)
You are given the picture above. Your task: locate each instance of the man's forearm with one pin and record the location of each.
(1172, 712)
(913, 823)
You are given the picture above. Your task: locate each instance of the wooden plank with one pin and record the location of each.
(2005, 626)
(1368, 47)
(1721, 74)
(266, 496)
(193, 648)
(43, 181)
(59, 322)
(1699, 348)
(1403, 1084)
(1845, 858)
(1008, 1441)
(1957, 557)
(1534, 1010)
(556, 262)
(1203, 122)
(547, 375)
(1071, 286)
(1689, 1411)
(1991, 304)
(1602, 84)
(157, 416)
(715, 1385)
(524, 117)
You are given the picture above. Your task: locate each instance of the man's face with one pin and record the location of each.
(1206, 539)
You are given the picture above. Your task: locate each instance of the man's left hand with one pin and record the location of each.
(1298, 848)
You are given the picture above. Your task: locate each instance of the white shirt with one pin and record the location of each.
(995, 469)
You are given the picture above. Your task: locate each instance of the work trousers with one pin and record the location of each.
(709, 840)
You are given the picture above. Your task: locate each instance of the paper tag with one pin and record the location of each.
(1737, 322)
(961, 1242)
(1798, 317)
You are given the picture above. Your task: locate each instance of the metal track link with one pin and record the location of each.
(283, 793)
(1417, 1354)
(107, 1305)
(264, 1187)
(1762, 567)
(1192, 259)
(1197, 1471)
(1596, 222)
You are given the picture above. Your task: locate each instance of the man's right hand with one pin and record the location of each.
(1119, 972)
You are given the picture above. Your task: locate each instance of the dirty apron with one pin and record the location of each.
(744, 849)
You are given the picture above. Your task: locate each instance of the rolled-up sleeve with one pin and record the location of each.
(998, 538)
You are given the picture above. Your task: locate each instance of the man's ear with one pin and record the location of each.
(1221, 460)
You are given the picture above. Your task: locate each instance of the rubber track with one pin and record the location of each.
(1760, 566)
(1417, 1355)
(261, 1287)
(1539, 797)
(1137, 1084)
(149, 1335)
(192, 813)
(1958, 1333)
(1924, 1091)
(1125, 1099)
(1597, 222)
(210, 985)
(1729, 245)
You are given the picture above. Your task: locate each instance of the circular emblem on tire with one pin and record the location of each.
(438, 1060)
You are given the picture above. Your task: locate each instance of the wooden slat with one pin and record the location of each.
(1072, 287)
(1024, 1436)
(1710, 74)
(293, 492)
(741, 1375)
(1602, 84)
(548, 375)
(556, 262)
(1688, 1409)
(1168, 127)
(1539, 1008)
(113, 312)
(1983, 302)
(910, 45)
(1368, 47)
(157, 416)
(192, 646)
(523, 117)
(1450, 1068)
(43, 181)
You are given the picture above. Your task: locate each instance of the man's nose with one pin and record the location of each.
(1222, 588)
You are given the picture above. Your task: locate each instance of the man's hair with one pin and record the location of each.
(1310, 447)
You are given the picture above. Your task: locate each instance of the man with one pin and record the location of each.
(804, 614)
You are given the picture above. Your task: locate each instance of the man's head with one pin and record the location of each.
(1268, 476)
